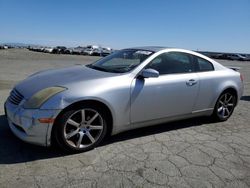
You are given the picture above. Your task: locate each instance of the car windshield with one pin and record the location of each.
(121, 61)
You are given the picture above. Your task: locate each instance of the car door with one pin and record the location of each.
(173, 93)
(209, 81)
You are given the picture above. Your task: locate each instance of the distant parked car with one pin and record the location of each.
(92, 50)
(216, 56)
(247, 57)
(88, 51)
(237, 57)
(36, 49)
(97, 52)
(244, 57)
(48, 50)
(78, 50)
(68, 51)
(59, 50)
(106, 51)
(77, 107)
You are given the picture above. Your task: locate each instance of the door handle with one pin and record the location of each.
(191, 82)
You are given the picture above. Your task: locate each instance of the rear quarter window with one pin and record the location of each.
(204, 65)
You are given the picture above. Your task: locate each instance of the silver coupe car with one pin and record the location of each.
(77, 107)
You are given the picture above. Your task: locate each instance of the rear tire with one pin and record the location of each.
(224, 106)
(81, 128)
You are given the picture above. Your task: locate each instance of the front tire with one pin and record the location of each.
(224, 106)
(81, 128)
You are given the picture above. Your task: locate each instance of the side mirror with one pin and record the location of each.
(149, 73)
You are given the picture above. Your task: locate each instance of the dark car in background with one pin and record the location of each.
(59, 50)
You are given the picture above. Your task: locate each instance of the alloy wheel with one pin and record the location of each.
(83, 128)
(225, 105)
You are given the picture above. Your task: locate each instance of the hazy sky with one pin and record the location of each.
(213, 25)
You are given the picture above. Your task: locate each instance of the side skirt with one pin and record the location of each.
(199, 113)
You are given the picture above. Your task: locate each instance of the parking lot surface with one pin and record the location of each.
(189, 153)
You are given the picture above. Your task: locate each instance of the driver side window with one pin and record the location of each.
(172, 63)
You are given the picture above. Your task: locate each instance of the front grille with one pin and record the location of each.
(15, 97)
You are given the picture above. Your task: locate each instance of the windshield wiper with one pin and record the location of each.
(97, 68)
(103, 69)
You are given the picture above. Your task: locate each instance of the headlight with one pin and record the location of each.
(42, 96)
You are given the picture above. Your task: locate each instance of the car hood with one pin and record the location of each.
(65, 77)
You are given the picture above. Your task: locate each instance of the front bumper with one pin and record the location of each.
(25, 125)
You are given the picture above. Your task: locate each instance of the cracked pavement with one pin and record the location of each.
(189, 153)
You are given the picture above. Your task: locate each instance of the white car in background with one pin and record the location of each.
(48, 50)
(92, 50)
(237, 57)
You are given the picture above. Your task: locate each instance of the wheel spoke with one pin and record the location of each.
(230, 104)
(72, 122)
(80, 139)
(83, 115)
(221, 102)
(90, 137)
(93, 118)
(223, 112)
(73, 133)
(227, 111)
(220, 109)
(95, 127)
(229, 98)
(225, 97)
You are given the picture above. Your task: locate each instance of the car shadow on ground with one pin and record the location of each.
(245, 98)
(156, 129)
(13, 150)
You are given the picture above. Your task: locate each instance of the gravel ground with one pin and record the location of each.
(190, 153)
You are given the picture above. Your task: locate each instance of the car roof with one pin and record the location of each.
(149, 48)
